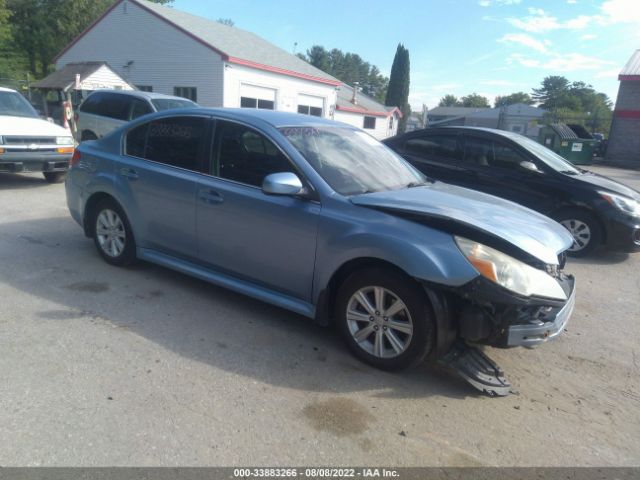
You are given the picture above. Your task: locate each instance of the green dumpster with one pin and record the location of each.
(572, 142)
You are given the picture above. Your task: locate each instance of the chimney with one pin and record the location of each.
(354, 100)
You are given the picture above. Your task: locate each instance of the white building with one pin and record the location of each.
(357, 109)
(164, 50)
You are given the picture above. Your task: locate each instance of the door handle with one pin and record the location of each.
(210, 196)
(129, 173)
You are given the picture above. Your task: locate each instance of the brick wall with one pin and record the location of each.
(624, 138)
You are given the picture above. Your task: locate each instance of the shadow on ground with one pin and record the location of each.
(196, 320)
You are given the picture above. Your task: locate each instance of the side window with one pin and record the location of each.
(175, 141)
(435, 147)
(115, 106)
(246, 156)
(91, 104)
(507, 157)
(139, 108)
(136, 141)
(478, 151)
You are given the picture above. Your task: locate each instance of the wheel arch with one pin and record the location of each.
(89, 207)
(583, 208)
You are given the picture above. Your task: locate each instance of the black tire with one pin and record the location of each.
(127, 254)
(88, 135)
(417, 346)
(54, 177)
(573, 219)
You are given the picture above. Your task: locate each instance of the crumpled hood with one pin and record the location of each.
(525, 229)
(31, 127)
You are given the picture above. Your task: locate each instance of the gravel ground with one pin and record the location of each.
(144, 366)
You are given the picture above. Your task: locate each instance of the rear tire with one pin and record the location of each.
(112, 233)
(378, 330)
(585, 229)
(54, 177)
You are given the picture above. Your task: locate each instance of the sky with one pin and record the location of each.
(491, 47)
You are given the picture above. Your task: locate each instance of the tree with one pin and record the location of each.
(475, 101)
(349, 68)
(41, 28)
(554, 94)
(512, 99)
(449, 101)
(226, 21)
(398, 90)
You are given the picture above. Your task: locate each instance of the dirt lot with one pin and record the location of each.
(144, 366)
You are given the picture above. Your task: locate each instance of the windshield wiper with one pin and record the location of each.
(568, 172)
(416, 184)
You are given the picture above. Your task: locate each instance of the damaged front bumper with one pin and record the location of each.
(492, 315)
(545, 328)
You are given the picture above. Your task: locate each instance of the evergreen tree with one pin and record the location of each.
(398, 90)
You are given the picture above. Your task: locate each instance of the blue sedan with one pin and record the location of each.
(320, 218)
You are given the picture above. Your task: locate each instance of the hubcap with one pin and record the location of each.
(110, 233)
(580, 231)
(379, 322)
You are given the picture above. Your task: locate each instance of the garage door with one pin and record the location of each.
(252, 96)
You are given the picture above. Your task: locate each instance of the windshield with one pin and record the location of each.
(351, 161)
(170, 103)
(15, 105)
(548, 156)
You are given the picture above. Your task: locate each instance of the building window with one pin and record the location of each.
(186, 92)
(247, 102)
(391, 122)
(145, 88)
(309, 110)
(370, 123)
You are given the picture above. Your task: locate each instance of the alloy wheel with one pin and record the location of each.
(580, 231)
(379, 322)
(110, 233)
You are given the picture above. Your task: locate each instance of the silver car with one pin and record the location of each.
(105, 110)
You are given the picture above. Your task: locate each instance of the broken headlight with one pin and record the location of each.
(508, 272)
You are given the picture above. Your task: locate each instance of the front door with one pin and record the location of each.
(264, 239)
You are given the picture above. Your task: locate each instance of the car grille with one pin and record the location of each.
(29, 140)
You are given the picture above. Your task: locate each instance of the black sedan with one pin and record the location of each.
(595, 209)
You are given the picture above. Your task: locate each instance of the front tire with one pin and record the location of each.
(54, 177)
(112, 234)
(585, 229)
(385, 319)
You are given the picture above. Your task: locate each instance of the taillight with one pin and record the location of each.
(75, 159)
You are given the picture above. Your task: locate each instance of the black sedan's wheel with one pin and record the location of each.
(585, 229)
(54, 177)
(112, 234)
(385, 319)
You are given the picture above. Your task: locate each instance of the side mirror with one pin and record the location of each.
(284, 183)
(530, 166)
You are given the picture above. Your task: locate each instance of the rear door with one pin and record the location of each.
(438, 156)
(159, 172)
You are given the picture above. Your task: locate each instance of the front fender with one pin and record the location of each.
(423, 253)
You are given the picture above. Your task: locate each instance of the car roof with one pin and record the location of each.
(140, 94)
(460, 129)
(3, 89)
(255, 116)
